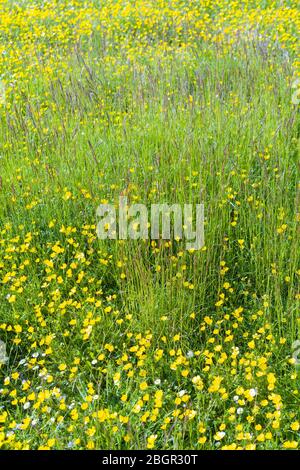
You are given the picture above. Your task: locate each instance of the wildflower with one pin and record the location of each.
(290, 445)
(151, 441)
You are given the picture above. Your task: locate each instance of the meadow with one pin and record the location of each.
(142, 344)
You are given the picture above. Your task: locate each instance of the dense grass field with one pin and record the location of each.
(111, 344)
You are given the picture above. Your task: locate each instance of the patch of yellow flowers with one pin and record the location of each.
(37, 36)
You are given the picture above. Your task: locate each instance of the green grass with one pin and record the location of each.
(201, 126)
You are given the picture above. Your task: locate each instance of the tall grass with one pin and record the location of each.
(195, 126)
